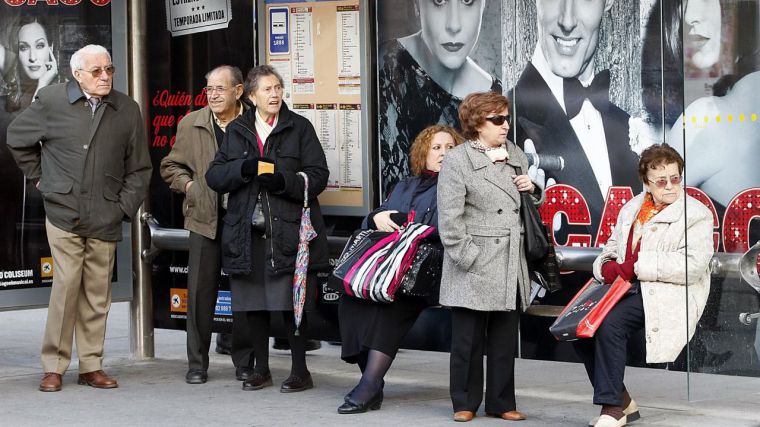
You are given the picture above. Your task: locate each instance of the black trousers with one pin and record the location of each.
(472, 334)
(204, 266)
(604, 355)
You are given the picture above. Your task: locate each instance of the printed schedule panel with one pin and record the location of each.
(316, 48)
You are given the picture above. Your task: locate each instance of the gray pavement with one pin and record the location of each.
(416, 393)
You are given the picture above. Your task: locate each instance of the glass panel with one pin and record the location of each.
(720, 54)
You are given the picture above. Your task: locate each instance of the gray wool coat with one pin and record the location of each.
(481, 230)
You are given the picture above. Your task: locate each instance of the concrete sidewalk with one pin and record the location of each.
(416, 392)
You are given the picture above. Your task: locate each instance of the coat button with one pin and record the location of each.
(497, 241)
(516, 210)
(654, 229)
(655, 329)
(651, 292)
(85, 146)
(245, 153)
(500, 211)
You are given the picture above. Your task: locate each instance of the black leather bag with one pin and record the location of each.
(536, 244)
(423, 279)
(539, 250)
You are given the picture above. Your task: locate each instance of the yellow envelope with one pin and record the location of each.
(265, 167)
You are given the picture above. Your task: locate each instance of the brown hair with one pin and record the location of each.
(658, 155)
(421, 145)
(476, 107)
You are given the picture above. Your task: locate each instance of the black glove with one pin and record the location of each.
(250, 167)
(274, 182)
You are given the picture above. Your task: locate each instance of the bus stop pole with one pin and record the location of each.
(141, 307)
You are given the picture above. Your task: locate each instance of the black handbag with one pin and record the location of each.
(536, 244)
(539, 251)
(423, 279)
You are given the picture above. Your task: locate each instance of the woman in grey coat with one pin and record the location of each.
(485, 274)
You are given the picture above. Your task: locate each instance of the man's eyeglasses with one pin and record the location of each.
(217, 89)
(99, 71)
(499, 120)
(663, 182)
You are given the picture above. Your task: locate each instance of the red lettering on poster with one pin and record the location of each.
(568, 201)
(616, 198)
(705, 199)
(740, 212)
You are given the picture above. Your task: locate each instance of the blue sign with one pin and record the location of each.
(223, 304)
(278, 31)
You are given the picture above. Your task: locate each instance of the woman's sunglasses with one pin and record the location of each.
(499, 120)
(663, 182)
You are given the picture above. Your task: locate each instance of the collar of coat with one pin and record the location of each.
(248, 122)
(74, 92)
(206, 120)
(671, 213)
(480, 160)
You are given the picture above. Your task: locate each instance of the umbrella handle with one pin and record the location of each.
(305, 189)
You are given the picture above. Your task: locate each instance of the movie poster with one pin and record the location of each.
(36, 44)
(426, 66)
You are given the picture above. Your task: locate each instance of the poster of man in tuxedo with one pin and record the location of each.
(574, 96)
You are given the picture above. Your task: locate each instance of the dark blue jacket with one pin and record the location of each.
(417, 193)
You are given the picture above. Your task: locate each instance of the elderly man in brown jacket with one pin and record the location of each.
(199, 135)
(85, 145)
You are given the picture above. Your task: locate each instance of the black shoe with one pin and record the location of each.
(281, 344)
(352, 407)
(223, 344)
(196, 376)
(347, 397)
(312, 345)
(243, 373)
(257, 381)
(294, 383)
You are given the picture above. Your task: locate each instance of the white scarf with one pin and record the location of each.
(263, 128)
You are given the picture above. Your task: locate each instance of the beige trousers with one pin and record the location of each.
(79, 300)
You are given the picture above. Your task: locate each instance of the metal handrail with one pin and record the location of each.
(570, 258)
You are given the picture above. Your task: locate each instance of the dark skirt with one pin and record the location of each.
(367, 325)
(262, 290)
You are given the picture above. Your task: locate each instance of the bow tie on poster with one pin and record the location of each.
(598, 93)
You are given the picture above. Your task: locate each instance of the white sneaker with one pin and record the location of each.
(608, 421)
(631, 412)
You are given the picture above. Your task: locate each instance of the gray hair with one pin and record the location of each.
(90, 49)
(256, 73)
(235, 73)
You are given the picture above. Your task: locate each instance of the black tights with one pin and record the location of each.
(259, 322)
(374, 365)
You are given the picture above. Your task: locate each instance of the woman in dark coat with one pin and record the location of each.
(372, 332)
(260, 260)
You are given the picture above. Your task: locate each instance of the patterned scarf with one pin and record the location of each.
(495, 154)
(646, 213)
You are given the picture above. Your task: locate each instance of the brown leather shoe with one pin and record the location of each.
(464, 416)
(509, 416)
(50, 382)
(97, 379)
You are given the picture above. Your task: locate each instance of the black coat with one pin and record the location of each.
(294, 147)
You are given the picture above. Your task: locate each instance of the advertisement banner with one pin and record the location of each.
(37, 40)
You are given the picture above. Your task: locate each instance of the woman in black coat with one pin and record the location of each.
(260, 227)
(372, 332)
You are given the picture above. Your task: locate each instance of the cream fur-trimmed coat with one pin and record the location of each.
(666, 268)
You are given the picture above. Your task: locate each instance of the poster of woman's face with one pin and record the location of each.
(36, 44)
(427, 65)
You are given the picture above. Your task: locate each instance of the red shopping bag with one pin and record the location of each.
(586, 311)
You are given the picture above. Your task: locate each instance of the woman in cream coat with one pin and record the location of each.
(648, 247)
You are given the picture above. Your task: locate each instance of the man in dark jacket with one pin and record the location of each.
(199, 135)
(85, 145)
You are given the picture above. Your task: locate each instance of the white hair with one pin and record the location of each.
(90, 49)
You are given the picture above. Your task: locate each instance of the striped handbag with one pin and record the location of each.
(375, 268)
